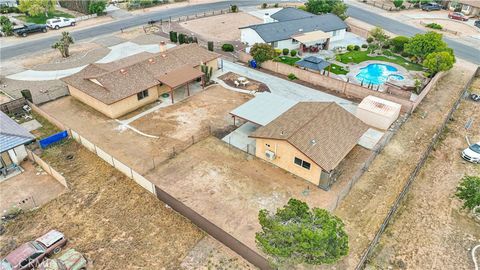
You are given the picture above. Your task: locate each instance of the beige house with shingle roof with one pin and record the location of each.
(123, 86)
(309, 140)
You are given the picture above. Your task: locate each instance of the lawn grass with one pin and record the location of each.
(334, 68)
(361, 56)
(287, 59)
(41, 19)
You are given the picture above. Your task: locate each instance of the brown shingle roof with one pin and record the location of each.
(179, 76)
(323, 131)
(131, 75)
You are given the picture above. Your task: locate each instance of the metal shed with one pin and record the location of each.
(378, 112)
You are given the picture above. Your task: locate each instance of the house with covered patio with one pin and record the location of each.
(296, 29)
(123, 86)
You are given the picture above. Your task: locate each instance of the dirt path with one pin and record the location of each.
(365, 208)
(106, 216)
(429, 231)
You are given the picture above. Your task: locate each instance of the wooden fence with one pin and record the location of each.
(13, 106)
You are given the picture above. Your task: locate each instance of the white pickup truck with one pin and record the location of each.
(57, 23)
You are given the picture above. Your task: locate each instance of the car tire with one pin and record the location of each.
(56, 27)
(72, 24)
(24, 34)
(44, 30)
(57, 250)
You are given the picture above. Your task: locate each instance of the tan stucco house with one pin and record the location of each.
(309, 140)
(468, 7)
(123, 86)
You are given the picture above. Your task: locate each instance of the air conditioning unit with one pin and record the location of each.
(270, 155)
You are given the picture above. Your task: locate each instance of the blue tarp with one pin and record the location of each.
(44, 143)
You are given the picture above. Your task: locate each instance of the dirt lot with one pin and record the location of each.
(429, 231)
(34, 186)
(142, 152)
(374, 193)
(461, 28)
(221, 27)
(193, 115)
(229, 187)
(106, 216)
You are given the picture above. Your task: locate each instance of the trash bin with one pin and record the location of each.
(27, 95)
(253, 63)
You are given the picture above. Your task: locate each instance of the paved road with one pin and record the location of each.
(461, 50)
(44, 43)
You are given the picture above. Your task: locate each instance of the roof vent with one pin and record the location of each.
(281, 132)
(151, 60)
(313, 142)
(164, 55)
(123, 71)
(300, 30)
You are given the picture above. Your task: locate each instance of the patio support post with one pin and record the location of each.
(203, 82)
(188, 88)
(171, 94)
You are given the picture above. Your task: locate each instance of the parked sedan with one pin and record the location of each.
(31, 254)
(458, 16)
(472, 153)
(477, 23)
(70, 260)
(56, 23)
(431, 7)
(30, 28)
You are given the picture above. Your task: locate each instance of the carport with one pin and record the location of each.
(257, 112)
(182, 76)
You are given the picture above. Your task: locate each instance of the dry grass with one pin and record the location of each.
(106, 216)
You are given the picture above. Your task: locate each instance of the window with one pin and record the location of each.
(275, 44)
(334, 33)
(302, 163)
(142, 94)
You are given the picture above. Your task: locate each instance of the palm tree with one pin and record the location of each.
(63, 44)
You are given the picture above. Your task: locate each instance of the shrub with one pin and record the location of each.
(364, 46)
(227, 47)
(97, 7)
(304, 8)
(369, 39)
(278, 52)
(469, 192)
(350, 48)
(7, 28)
(173, 36)
(210, 46)
(285, 51)
(234, 8)
(386, 46)
(397, 3)
(387, 53)
(6, 9)
(356, 48)
(262, 52)
(293, 53)
(434, 26)
(398, 43)
(264, 5)
(276, 5)
(405, 54)
(292, 76)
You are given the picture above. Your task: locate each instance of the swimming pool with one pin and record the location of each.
(378, 74)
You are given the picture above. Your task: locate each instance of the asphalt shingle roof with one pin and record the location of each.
(290, 13)
(282, 30)
(12, 134)
(313, 62)
(323, 131)
(131, 75)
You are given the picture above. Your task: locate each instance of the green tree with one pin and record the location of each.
(262, 52)
(380, 38)
(422, 45)
(97, 7)
(469, 192)
(296, 234)
(336, 7)
(397, 3)
(439, 61)
(63, 44)
(37, 7)
(398, 43)
(6, 25)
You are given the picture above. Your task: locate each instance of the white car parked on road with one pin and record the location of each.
(472, 153)
(57, 23)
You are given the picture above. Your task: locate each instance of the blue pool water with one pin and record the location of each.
(378, 74)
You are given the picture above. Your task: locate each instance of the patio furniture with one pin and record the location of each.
(244, 83)
(237, 84)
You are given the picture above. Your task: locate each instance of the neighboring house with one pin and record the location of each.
(296, 29)
(310, 139)
(13, 138)
(123, 86)
(9, 3)
(467, 7)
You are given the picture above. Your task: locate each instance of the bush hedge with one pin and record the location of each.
(293, 53)
(285, 51)
(227, 47)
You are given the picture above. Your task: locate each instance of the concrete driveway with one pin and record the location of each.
(287, 89)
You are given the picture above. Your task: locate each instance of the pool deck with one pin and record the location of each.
(409, 79)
